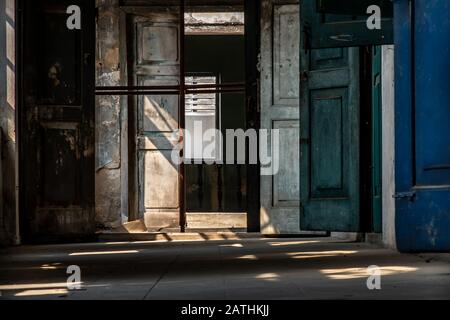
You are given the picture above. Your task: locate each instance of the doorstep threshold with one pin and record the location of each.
(199, 236)
(177, 236)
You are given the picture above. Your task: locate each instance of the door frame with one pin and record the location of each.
(252, 11)
(368, 129)
(252, 27)
(129, 153)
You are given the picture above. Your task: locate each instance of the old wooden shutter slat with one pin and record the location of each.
(331, 24)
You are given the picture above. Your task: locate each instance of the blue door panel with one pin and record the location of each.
(422, 125)
(403, 96)
(424, 224)
(432, 74)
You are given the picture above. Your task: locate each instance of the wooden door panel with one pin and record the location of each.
(286, 35)
(331, 23)
(57, 140)
(329, 159)
(329, 58)
(422, 151)
(280, 50)
(286, 191)
(61, 59)
(329, 143)
(59, 158)
(154, 41)
(432, 158)
(160, 189)
(158, 113)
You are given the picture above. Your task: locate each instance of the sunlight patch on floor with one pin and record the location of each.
(292, 243)
(268, 276)
(51, 266)
(319, 254)
(44, 292)
(358, 273)
(103, 253)
(248, 257)
(234, 245)
(33, 286)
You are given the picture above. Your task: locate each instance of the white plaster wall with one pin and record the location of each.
(388, 146)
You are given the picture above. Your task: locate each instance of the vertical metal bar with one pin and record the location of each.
(182, 121)
(252, 45)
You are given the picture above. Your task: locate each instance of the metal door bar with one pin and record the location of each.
(188, 86)
(182, 121)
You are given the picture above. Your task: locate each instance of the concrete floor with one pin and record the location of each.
(238, 269)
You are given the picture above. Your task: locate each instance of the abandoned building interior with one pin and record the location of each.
(240, 64)
(90, 118)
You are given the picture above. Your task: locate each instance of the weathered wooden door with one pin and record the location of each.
(280, 48)
(330, 111)
(329, 139)
(153, 38)
(334, 24)
(312, 97)
(57, 121)
(343, 23)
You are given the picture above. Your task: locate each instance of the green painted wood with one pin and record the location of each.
(355, 7)
(376, 141)
(329, 126)
(330, 30)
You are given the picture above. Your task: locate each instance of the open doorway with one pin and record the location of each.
(184, 65)
(214, 54)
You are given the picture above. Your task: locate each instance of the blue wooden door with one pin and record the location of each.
(422, 33)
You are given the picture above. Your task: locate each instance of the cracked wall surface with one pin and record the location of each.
(109, 206)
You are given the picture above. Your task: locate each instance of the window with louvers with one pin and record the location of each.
(202, 116)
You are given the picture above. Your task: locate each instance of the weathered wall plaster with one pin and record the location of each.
(108, 118)
(8, 218)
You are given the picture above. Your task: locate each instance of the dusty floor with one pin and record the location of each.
(243, 269)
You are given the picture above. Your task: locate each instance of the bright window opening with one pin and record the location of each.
(202, 119)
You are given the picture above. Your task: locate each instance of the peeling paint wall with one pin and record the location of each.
(8, 221)
(214, 22)
(109, 207)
